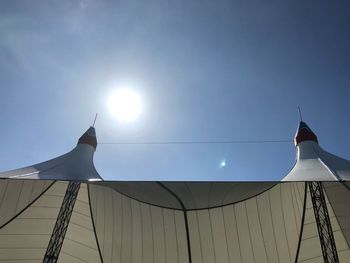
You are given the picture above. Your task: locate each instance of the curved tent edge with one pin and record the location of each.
(191, 209)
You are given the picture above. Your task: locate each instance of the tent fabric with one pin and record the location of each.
(315, 164)
(312, 164)
(182, 222)
(310, 248)
(190, 195)
(33, 171)
(264, 228)
(80, 244)
(74, 165)
(108, 226)
(131, 231)
(27, 235)
(304, 133)
(16, 195)
(339, 198)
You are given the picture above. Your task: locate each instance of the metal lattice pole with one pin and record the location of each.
(323, 223)
(62, 222)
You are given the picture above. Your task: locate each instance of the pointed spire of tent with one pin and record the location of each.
(312, 162)
(304, 133)
(74, 165)
(89, 137)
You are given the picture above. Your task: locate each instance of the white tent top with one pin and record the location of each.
(313, 163)
(174, 222)
(74, 165)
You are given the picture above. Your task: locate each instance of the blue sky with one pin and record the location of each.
(207, 70)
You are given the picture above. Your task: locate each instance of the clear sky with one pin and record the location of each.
(206, 70)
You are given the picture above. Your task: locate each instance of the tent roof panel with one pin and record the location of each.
(189, 195)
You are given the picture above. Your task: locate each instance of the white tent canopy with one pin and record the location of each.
(313, 163)
(174, 222)
(74, 165)
(273, 223)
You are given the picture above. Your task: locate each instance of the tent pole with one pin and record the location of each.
(62, 223)
(324, 227)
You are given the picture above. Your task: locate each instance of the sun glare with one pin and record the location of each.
(125, 104)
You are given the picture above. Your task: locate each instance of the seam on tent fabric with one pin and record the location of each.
(176, 238)
(292, 200)
(212, 235)
(117, 250)
(185, 218)
(249, 232)
(199, 236)
(141, 221)
(68, 254)
(132, 231)
(238, 239)
(300, 197)
(104, 220)
(80, 243)
(113, 227)
(346, 186)
(27, 206)
(22, 183)
(122, 228)
(302, 224)
(225, 231)
(273, 228)
(197, 209)
(165, 250)
(262, 234)
(4, 193)
(152, 231)
(31, 189)
(284, 225)
(93, 224)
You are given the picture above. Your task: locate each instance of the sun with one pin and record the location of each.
(125, 104)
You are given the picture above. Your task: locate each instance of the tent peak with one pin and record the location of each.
(89, 137)
(304, 133)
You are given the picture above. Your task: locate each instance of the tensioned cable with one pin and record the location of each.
(197, 142)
